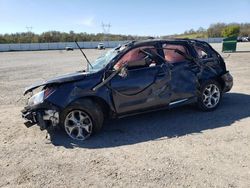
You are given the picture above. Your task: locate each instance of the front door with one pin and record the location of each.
(146, 85)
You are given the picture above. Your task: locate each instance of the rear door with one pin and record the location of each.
(184, 80)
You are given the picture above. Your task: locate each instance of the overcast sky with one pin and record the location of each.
(136, 17)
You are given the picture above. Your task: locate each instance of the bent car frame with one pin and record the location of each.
(138, 77)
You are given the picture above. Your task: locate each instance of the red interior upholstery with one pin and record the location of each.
(132, 56)
(171, 56)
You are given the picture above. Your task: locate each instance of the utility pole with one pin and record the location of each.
(29, 30)
(106, 31)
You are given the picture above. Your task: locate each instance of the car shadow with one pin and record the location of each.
(164, 124)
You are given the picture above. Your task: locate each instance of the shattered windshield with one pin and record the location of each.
(103, 60)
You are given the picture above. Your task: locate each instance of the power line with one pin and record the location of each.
(106, 31)
(29, 28)
(106, 28)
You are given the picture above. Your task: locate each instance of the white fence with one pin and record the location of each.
(211, 40)
(55, 45)
(62, 45)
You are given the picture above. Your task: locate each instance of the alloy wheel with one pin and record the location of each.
(211, 96)
(78, 125)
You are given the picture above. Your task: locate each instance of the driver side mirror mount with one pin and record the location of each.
(123, 72)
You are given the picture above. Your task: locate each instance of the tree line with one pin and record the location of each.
(214, 30)
(218, 30)
(56, 36)
(225, 30)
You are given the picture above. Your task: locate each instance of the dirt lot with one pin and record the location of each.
(176, 148)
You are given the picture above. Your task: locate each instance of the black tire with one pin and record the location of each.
(202, 103)
(88, 107)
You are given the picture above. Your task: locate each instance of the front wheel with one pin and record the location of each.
(210, 96)
(80, 120)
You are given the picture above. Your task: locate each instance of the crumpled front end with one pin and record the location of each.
(44, 118)
(40, 111)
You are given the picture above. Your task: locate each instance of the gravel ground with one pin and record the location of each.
(182, 147)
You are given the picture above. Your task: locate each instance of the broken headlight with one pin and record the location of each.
(36, 99)
(39, 97)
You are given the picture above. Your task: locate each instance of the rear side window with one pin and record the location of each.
(202, 51)
(171, 56)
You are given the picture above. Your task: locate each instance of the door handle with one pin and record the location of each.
(161, 74)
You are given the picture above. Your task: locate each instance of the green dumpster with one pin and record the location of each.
(229, 44)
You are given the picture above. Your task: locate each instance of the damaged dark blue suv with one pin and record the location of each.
(134, 78)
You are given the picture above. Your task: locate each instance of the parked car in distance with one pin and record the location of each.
(101, 46)
(69, 48)
(139, 77)
(243, 39)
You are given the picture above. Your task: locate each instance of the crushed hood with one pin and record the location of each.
(58, 80)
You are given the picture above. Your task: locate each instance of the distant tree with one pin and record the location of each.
(214, 30)
(245, 29)
(191, 31)
(201, 30)
(2, 39)
(229, 31)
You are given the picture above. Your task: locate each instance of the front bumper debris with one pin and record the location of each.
(30, 118)
(42, 117)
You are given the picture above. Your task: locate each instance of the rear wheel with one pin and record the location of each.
(210, 96)
(81, 119)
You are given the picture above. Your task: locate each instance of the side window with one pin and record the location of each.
(171, 56)
(135, 58)
(202, 52)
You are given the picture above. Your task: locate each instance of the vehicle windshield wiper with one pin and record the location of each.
(84, 54)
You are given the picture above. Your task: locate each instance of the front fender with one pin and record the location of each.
(70, 92)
